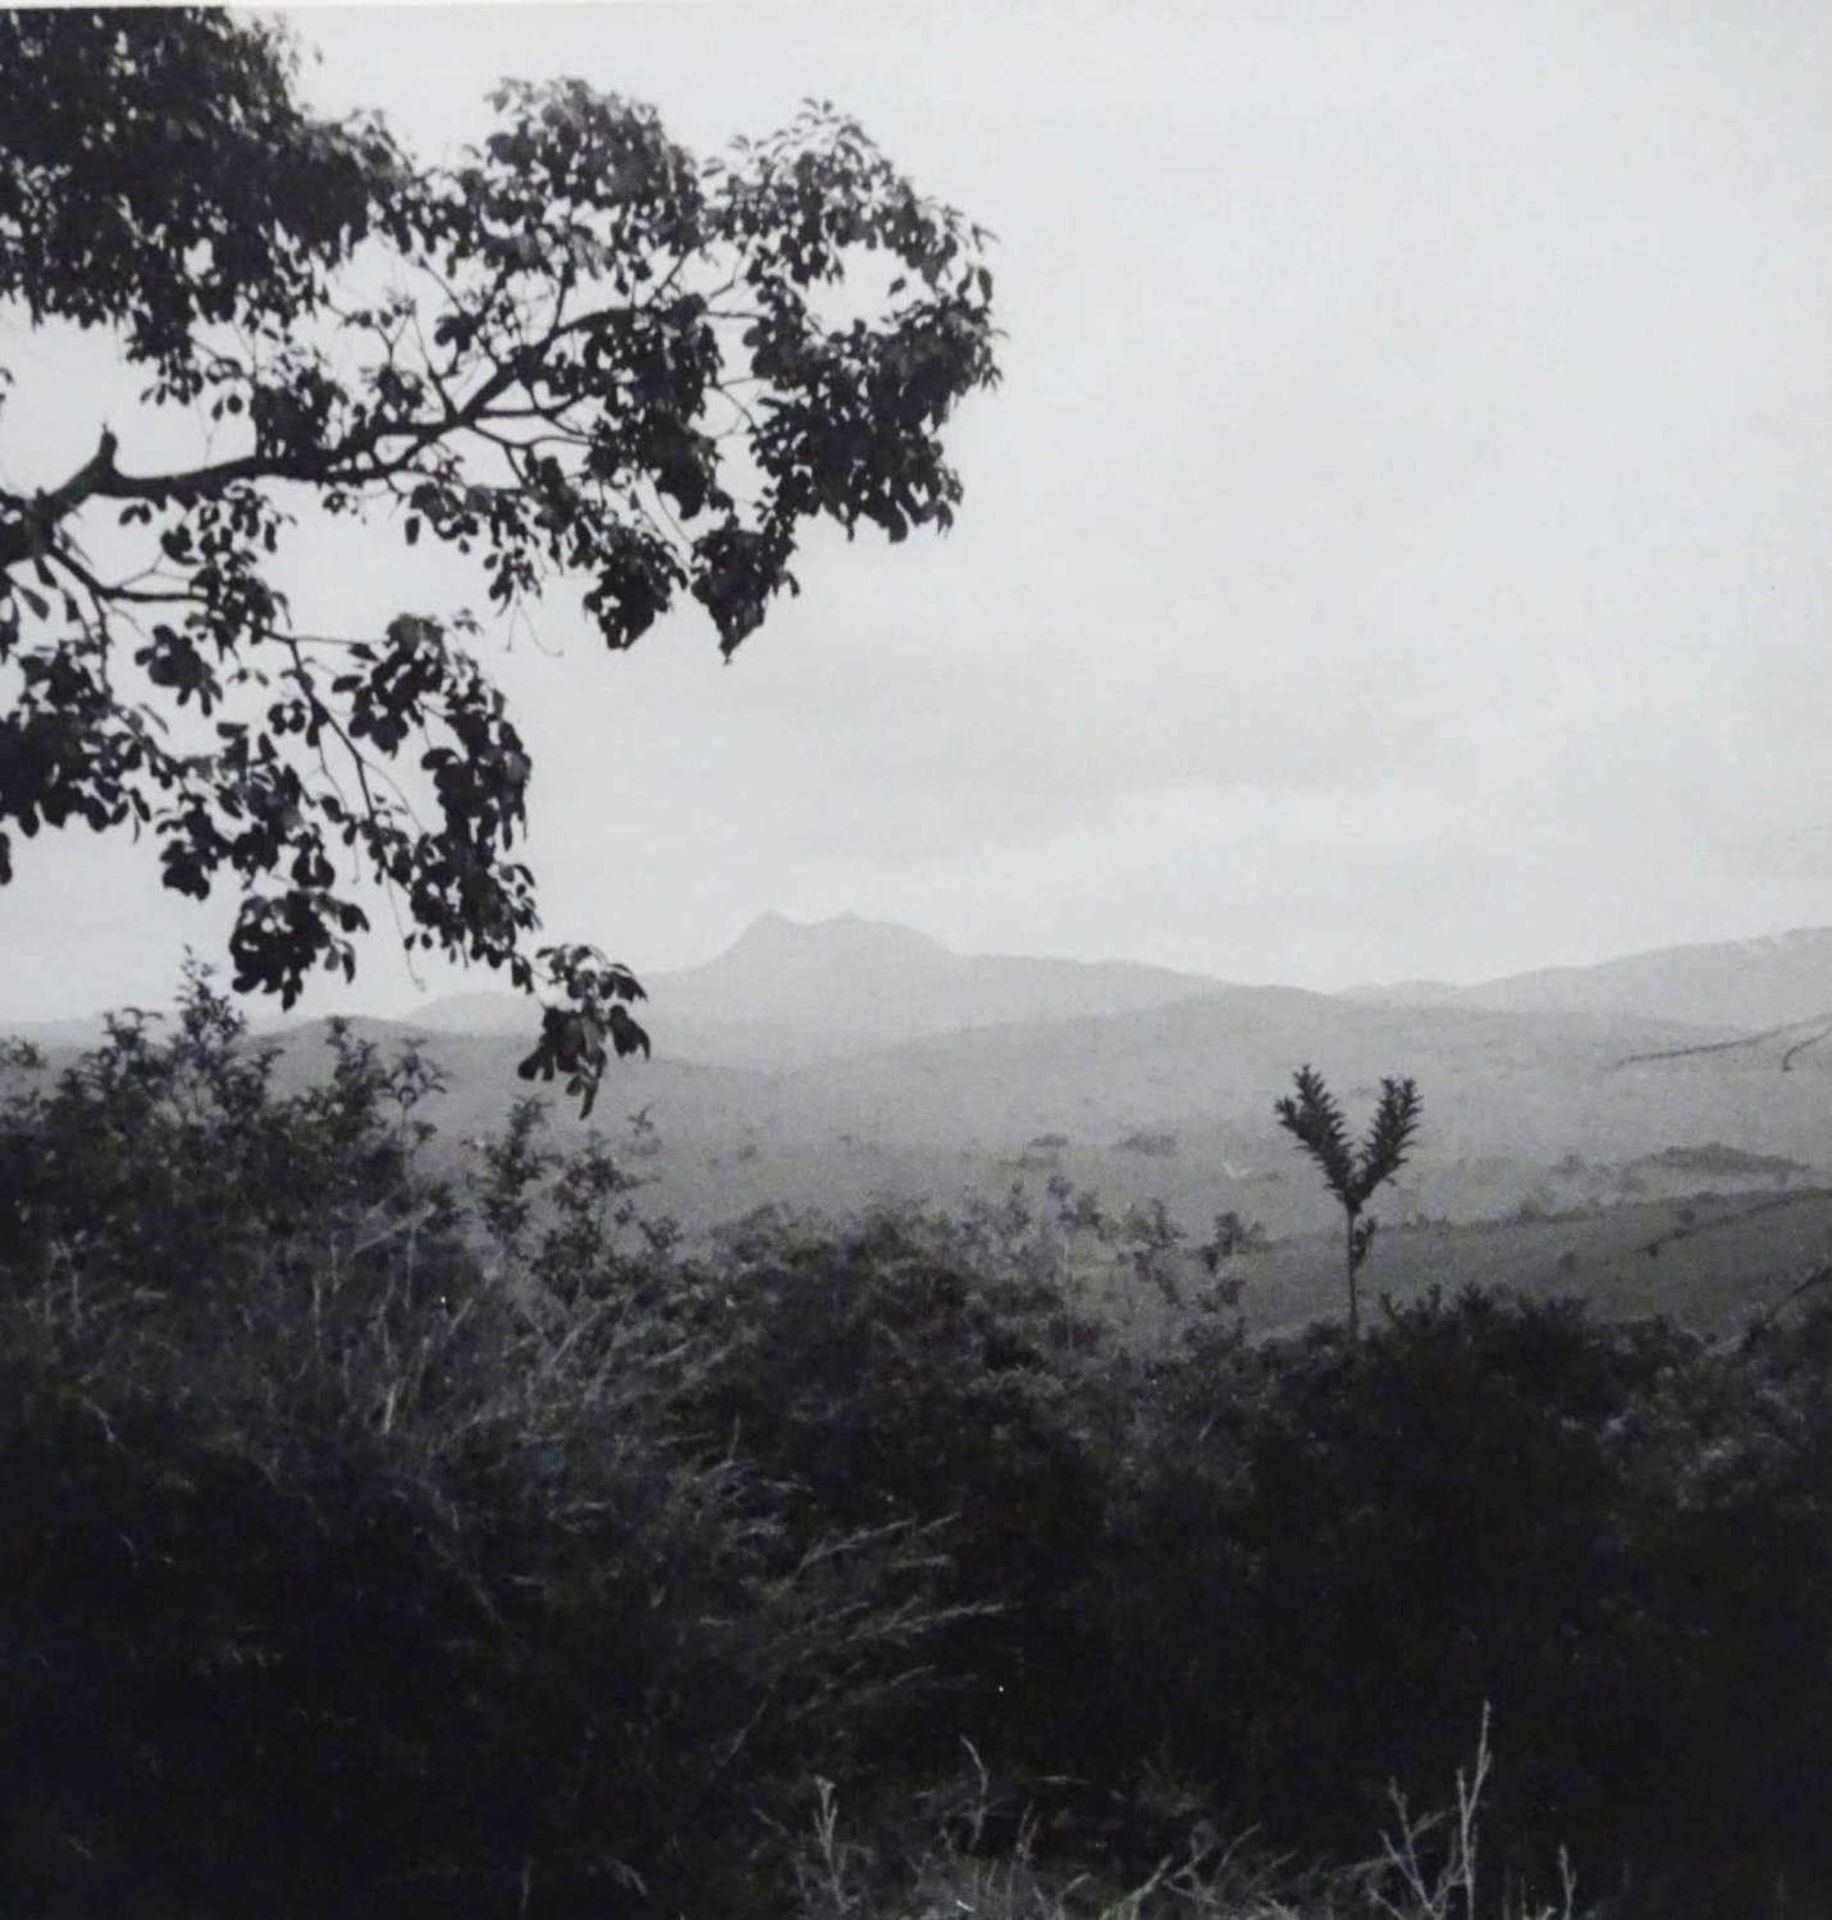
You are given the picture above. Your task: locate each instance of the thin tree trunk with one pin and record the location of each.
(1354, 1298)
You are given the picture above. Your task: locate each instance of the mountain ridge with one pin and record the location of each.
(789, 992)
(1171, 1099)
(1755, 985)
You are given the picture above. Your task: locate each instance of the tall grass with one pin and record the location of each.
(382, 1543)
(1426, 1868)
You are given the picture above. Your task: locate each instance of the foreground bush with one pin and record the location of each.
(885, 1375)
(341, 1576)
(378, 1545)
(1619, 1537)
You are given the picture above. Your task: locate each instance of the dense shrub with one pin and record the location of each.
(1617, 1537)
(346, 1573)
(381, 1545)
(886, 1370)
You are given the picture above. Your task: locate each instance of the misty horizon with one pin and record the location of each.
(1395, 552)
(830, 940)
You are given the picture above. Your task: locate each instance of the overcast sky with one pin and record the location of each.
(1399, 546)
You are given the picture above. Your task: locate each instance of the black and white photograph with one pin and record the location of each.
(916, 961)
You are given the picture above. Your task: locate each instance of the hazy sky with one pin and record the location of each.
(1399, 546)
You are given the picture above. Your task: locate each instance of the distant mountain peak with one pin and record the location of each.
(790, 991)
(841, 934)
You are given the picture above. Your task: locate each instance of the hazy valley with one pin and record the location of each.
(1570, 1116)
(816, 1063)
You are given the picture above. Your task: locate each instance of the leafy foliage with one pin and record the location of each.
(346, 1566)
(579, 353)
(465, 1546)
(883, 1370)
(1230, 1239)
(141, 148)
(1353, 1175)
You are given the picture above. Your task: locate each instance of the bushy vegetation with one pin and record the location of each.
(355, 1567)
(385, 1544)
(1715, 1158)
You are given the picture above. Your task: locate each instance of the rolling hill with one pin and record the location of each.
(1171, 1100)
(825, 1065)
(1755, 985)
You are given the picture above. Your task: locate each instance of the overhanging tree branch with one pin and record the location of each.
(552, 400)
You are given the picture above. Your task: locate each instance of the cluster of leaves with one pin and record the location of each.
(1314, 1119)
(580, 353)
(169, 181)
(464, 1548)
